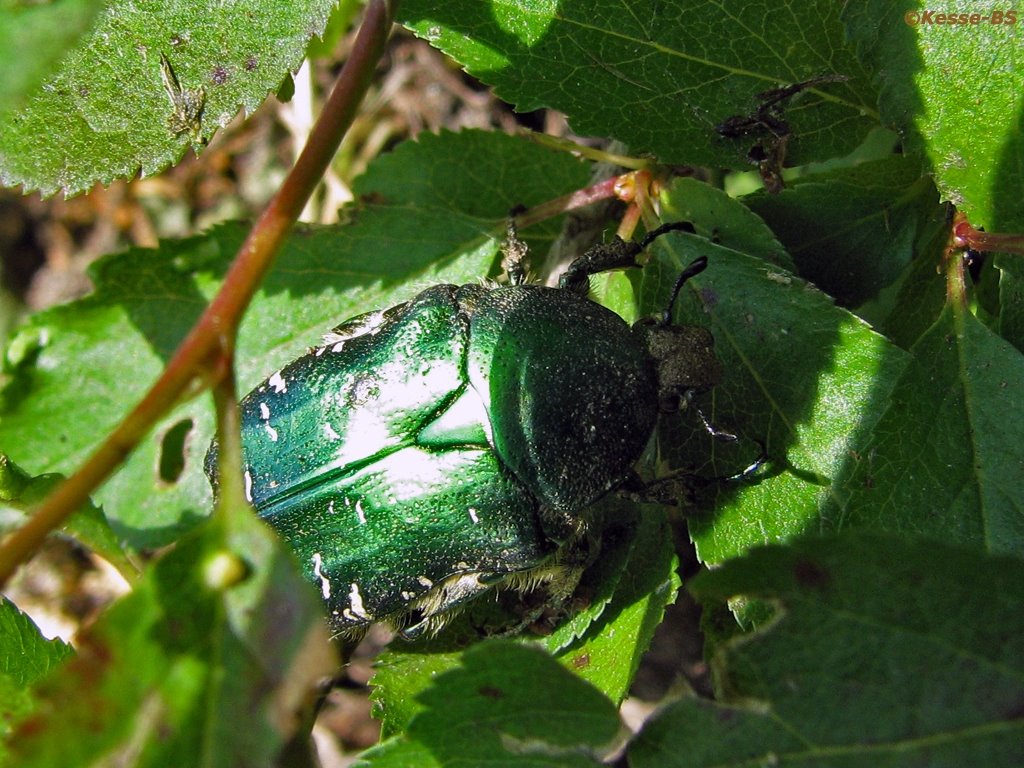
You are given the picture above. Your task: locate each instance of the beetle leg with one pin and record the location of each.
(729, 437)
(747, 472)
(515, 256)
(711, 429)
(428, 614)
(545, 594)
(679, 487)
(618, 254)
(674, 490)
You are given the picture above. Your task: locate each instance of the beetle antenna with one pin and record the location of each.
(695, 268)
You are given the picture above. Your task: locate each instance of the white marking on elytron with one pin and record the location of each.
(248, 486)
(473, 516)
(407, 595)
(320, 351)
(331, 434)
(278, 383)
(338, 347)
(359, 512)
(356, 601)
(271, 432)
(425, 581)
(264, 411)
(325, 583)
(330, 506)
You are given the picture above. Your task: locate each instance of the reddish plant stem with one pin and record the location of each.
(966, 236)
(205, 356)
(578, 199)
(956, 287)
(633, 187)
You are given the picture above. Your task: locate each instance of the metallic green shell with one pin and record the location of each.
(370, 456)
(426, 453)
(570, 389)
(415, 531)
(351, 401)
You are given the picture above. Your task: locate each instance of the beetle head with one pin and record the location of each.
(684, 357)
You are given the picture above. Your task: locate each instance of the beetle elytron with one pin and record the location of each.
(431, 451)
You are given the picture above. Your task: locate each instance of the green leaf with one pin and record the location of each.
(661, 77)
(884, 652)
(853, 231)
(112, 108)
(956, 91)
(429, 214)
(719, 218)
(88, 525)
(1011, 299)
(338, 23)
(799, 376)
(858, 432)
(399, 753)
(210, 661)
(604, 643)
(905, 310)
(506, 704)
(33, 38)
(401, 672)
(25, 656)
(945, 457)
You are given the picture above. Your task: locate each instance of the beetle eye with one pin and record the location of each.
(668, 404)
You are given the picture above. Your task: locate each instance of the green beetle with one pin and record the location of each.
(432, 451)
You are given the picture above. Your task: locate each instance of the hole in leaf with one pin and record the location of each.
(172, 451)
